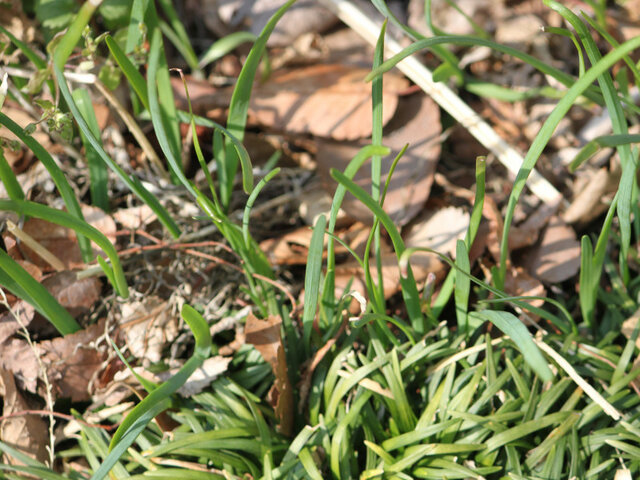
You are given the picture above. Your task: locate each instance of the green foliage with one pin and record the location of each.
(381, 395)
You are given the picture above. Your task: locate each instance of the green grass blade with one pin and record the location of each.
(137, 26)
(133, 183)
(182, 42)
(525, 429)
(73, 34)
(545, 133)
(239, 108)
(510, 325)
(312, 279)
(135, 78)
(66, 192)
(159, 399)
(619, 125)
(162, 108)
(32, 56)
(354, 165)
(474, 223)
(226, 44)
(65, 219)
(463, 285)
(407, 281)
(591, 147)
(184, 49)
(98, 174)
(564, 78)
(23, 285)
(9, 180)
(250, 201)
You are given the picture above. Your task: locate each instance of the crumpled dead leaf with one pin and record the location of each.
(76, 295)
(265, 336)
(27, 433)
(148, 327)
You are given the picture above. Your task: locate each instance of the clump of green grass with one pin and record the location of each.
(391, 396)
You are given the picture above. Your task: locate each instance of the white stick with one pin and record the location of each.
(446, 98)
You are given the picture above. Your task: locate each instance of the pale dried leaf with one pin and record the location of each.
(148, 327)
(27, 433)
(19, 358)
(76, 295)
(265, 336)
(211, 369)
(72, 362)
(331, 101)
(438, 230)
(557, 257)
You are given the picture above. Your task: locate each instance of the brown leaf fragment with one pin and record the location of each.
(27, 433)
(148, 327)
(557, 257)
(417, 124)
(76, 295)
(135, 217)
(519, 283)
(588, 202)
(19, 358)
(72, 362)
(9, 325)
(331, 101)
(265, 336)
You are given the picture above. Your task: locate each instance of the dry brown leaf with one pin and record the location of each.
(8, 323)
(438, 230)
(76, 295)
(519, 283)
(588, 201)
(18, 357)
(148, 327)
(416, 123)
(72, 362)
(265, 336)
(27, 433)
(557, 257)
(325, 100)
(331, 101)
(135, 217)
(290, 249)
